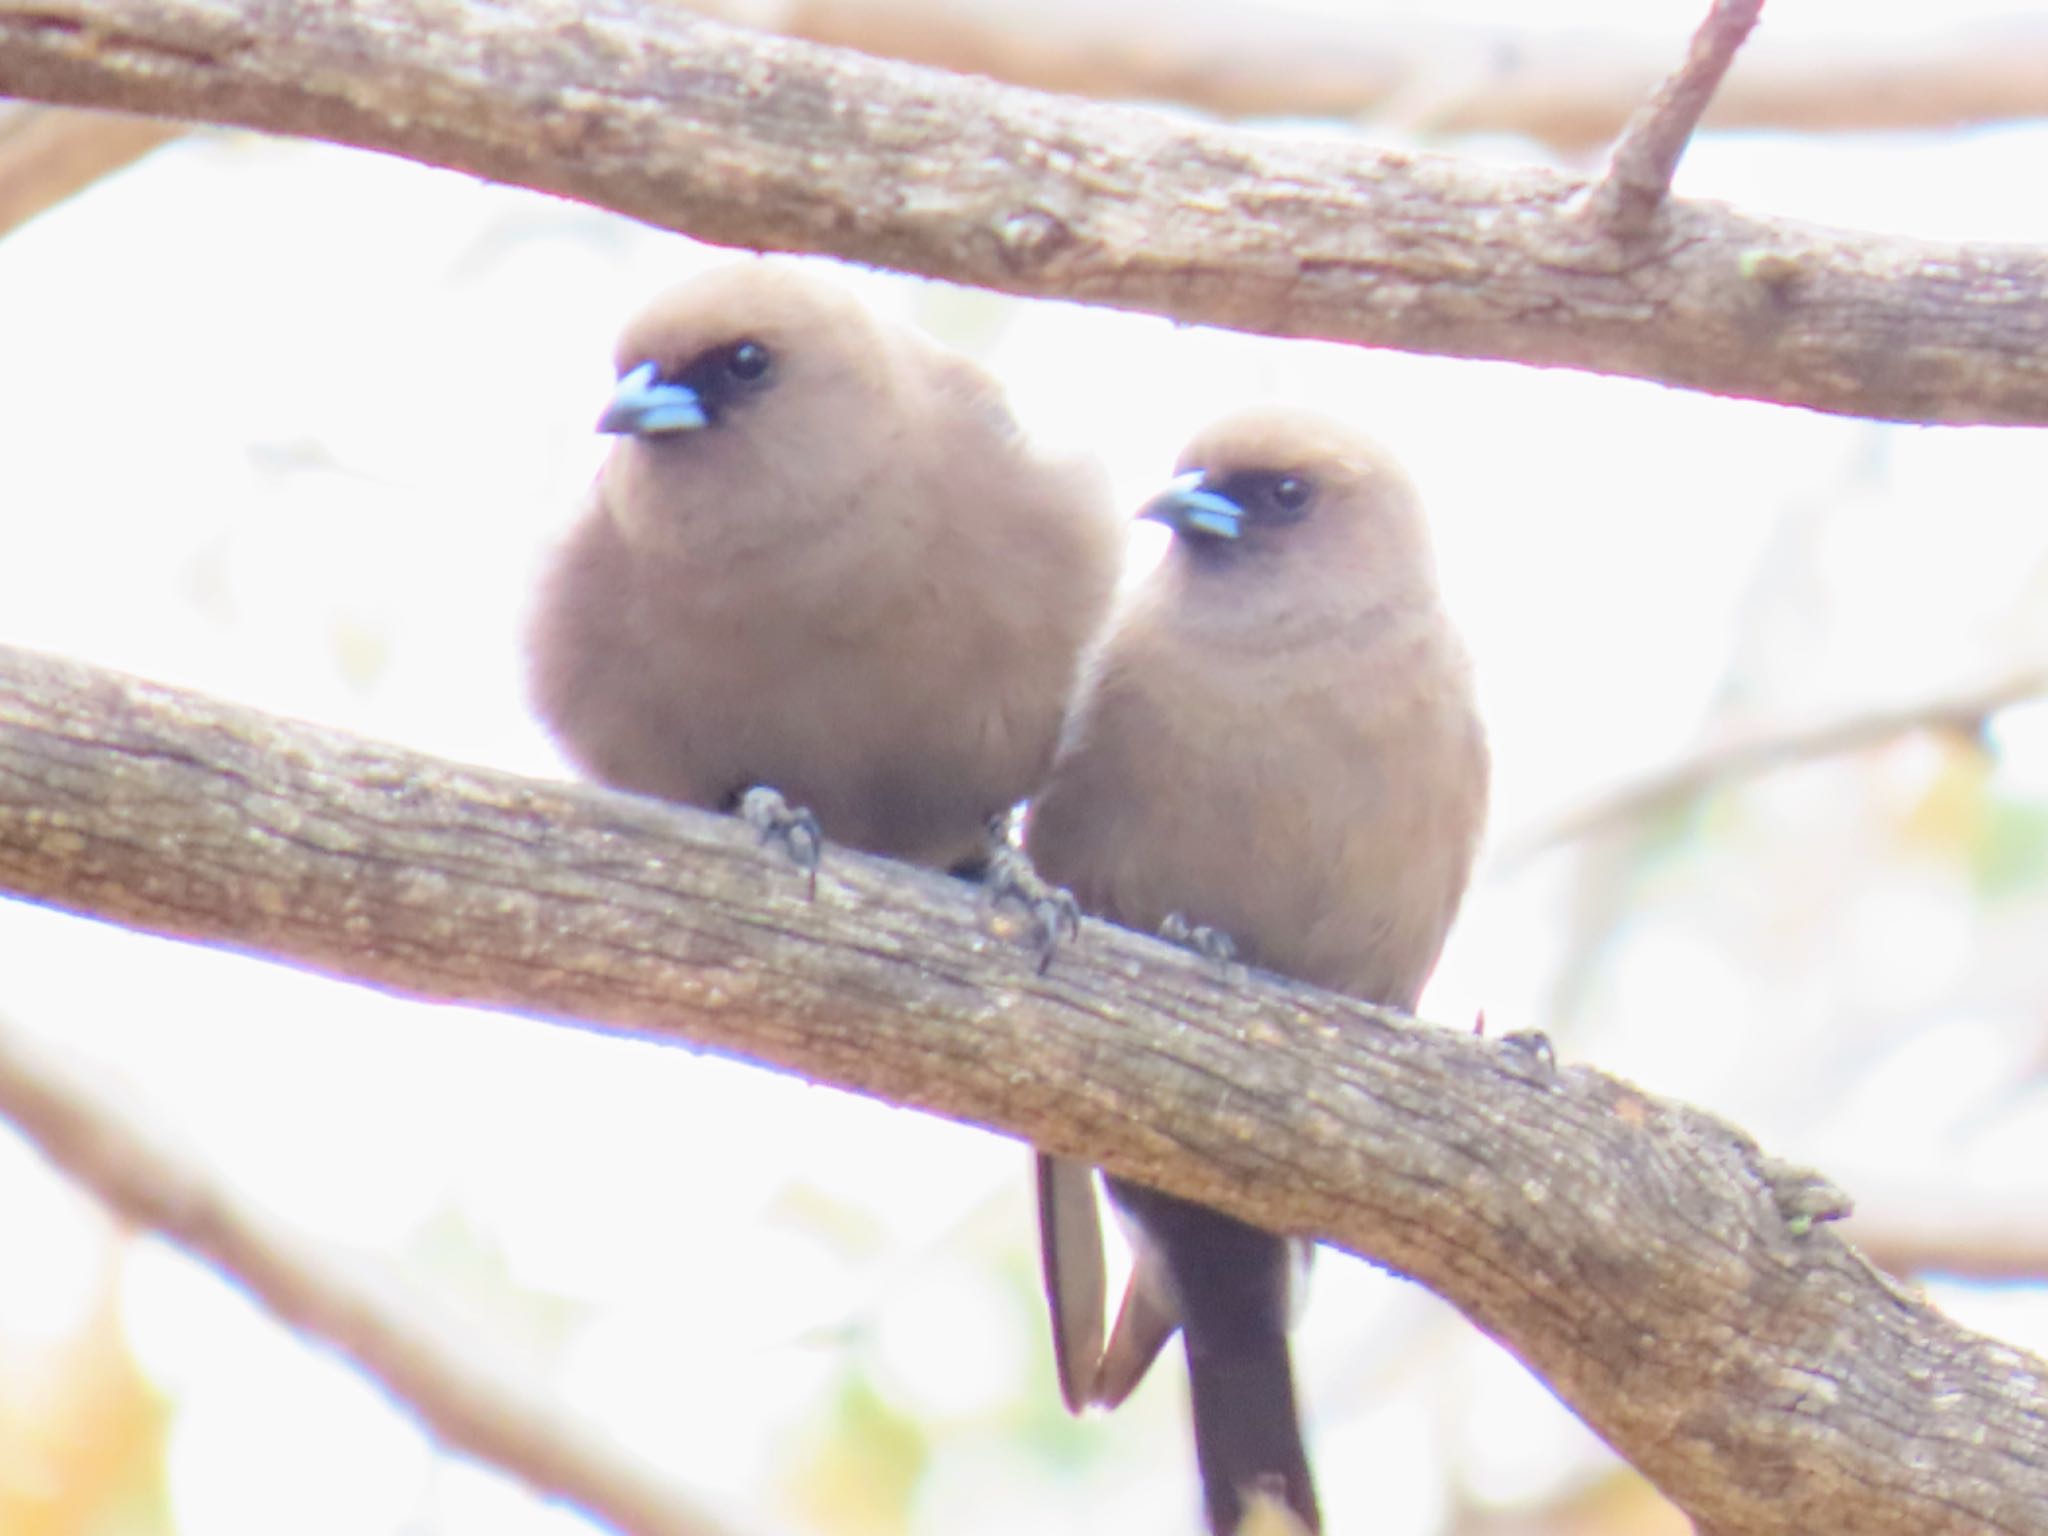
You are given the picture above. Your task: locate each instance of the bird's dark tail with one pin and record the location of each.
(1247, 1428)
(1231, 1284)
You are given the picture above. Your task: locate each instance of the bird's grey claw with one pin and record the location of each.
(794, 827)
(1054, 914)
(1212, 944)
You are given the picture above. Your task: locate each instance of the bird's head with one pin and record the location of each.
(755, 375)
(1283, 495)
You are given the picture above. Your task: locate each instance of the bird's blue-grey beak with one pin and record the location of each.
(1187, 506)
(643, 406)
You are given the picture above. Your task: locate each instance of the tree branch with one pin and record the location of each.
(750, 140)
(1569, 90)
(1639, 172)
(1974, 1235)
(48, 154)
(1755, 751)
(1643, 1257)
(464, 1395)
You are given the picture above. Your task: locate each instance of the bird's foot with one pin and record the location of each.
(1212, 944)
(1051, 911)
(794, 827)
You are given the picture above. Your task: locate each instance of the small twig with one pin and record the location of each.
(467, 1398)
(1963, 709)
(1647, 154)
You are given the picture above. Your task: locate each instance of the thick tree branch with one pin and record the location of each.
(750, 140)
(1757, 750)
(1643, 1257)
(465, 1396)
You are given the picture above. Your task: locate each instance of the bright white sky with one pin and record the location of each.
(291, 425)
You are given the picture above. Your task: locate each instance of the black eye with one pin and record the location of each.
(748, 362)
(1290, 493)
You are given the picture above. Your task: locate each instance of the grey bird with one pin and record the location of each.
(1276, 741)
(823, 558)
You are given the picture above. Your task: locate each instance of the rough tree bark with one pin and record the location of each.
(1648, 1261)
(751, 140)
